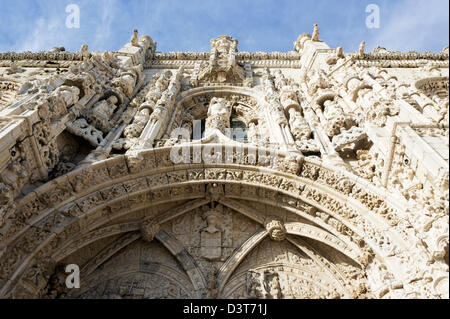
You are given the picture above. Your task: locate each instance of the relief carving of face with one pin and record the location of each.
(223, 44)
(219, 106)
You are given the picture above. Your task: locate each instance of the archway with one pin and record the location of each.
(327, 215)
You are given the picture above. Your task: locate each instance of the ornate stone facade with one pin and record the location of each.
(225, 174)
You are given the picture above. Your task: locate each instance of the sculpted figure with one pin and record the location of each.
(82, 128)
(252, 133)
(299, 127)
(159, 113)
(337, 121)
(218, 106)
(106, 107)
(134, 38)
(273, 286)
(102, 112)
(14, 174)
(6, 195)
(85, 52)
(315, 35)
(255, 284)
(70, 94)
(339, 52)
(362, 47)
(219, 113)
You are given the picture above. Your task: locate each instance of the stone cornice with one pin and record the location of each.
(190, 64)
(257, 59)
(52, 56)
(400, 60)
(292, 56)
(401, 63)
(401, 56)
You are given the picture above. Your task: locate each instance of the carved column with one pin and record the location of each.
(275, 114)
(163, 109)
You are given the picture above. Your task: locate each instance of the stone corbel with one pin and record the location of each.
(149, 229)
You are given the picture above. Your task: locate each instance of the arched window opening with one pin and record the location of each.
(199, 128)
(238, 130)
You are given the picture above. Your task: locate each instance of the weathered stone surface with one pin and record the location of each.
(224, 174)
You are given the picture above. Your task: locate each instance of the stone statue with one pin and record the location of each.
(85, 52)
(102, 112)
(134, 38)
(339, 52)
(219, 113)
(362, 47)
(315, 35)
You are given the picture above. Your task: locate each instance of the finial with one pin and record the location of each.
(134, 38)
(85, 52)
(339, 52)
(315, 36)
(362, 47)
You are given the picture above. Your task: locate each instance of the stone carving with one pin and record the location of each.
(102, 112)
(222, 66)
(349, 137)
(134, 38)
(149, 229)
(315, 35)
(85, 52)
(361, 49)
(299, 127)
(275, 228)
(263, 285)
(83, 129)
(127, 80)
(340, 191)
(211, 236)
(219, 113)
(336, 120)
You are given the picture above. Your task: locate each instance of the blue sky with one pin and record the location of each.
(188, 25)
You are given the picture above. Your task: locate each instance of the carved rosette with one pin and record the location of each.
(275, 228)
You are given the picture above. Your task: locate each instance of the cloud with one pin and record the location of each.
(259, 25)
(44, 36)
(414, 25)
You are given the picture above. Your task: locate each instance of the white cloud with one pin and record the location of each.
(44, 37)
(260, 25)
(414, 25)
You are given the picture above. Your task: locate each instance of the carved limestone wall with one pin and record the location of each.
(224, 174)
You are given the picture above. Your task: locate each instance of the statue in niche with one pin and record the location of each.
(263, 284)
(211, 236)
(299, 127)
(219, 113)
(255, 285)
(102, 112)
(273, 287)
